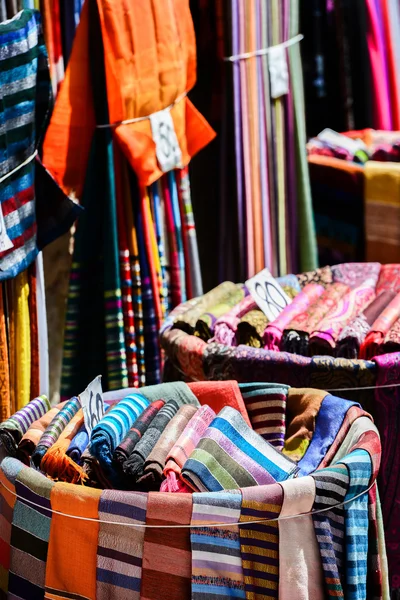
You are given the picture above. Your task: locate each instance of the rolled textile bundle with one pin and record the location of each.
(296, 335)
(154, 465)
(187, 320)
(126, 447)
(133, 467)
(274, 331)
(355, 274)
(31, 438)
(206, 322)
(266, 407)
(56, 464)
(78, 445)
(251, 329)
(323, 338)
(183, 448)
(95, 475)
(353, 335)
(13, 429)
(372, 344)
(321, 276)
(55, 428)
(392, 340)
(113, 427)
(218, 394)
(231, 455)
(226, 326)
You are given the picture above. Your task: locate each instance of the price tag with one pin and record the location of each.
(168, 151)
(92, 404)
(268, 294)
(5, 242)
(278, 71)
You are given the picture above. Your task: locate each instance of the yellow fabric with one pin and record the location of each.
(22, 340)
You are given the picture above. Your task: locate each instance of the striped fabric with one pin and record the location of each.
(216, 559)
(30, 534)
(331, 487)
(266, 407)
(158, 222)
(231, 455)
(259, 543)
(12, 430)
(53, 431)
(119, 550)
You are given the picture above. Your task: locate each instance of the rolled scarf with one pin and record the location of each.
(13, 429)
(372, 344)
(78, 445)
(274, 331)
(133, 467)
(321, 276)
(155, 462)
(353, 335)
(126, 447)
(206, 322)
(231, 455)
(323, 339)
(187, 320)
(296, 335)
(355, 274)
(56, 464)
(31, 438)
(226, 326)
(251, 329)
(113, 427)
(183, 448)
(54, 430)
(95, 474)
(392, 340)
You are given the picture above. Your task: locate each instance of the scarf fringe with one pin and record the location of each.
(57, 465)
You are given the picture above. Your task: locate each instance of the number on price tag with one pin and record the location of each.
(5, 242)
(168, 151)
(268, 294)
(278, 71)
(92, 404)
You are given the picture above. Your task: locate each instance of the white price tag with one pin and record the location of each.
(5, 242)
(278, 71)
(92, 403)
(268, 294)
(168, 151)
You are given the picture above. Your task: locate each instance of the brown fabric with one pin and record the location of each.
(322, 275)
(5, 398)
(31, 438)
(251, 329)
(33, 318)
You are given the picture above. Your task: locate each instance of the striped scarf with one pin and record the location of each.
(12, 430)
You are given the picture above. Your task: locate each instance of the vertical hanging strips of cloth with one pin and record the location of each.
(175, 280)
(5, 396)
(158, 223)
(178, 232)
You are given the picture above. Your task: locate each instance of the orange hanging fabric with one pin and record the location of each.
(150, 64)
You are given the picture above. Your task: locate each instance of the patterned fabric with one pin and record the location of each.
(379, 329)
(5, 396)
(259, 542)
(206, 322)
(226, 326)
(12, 430)
(266, 407)
(321, 276)
(216, 558)
(355, 274)
(31, 438)
(302, 408)
(389, 278)
(231, 455)
(251, 328)
(120, 549)
(391, 342)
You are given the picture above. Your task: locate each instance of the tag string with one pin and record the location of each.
(139, 119)
(21, 166)
(174, 526)
(263, 51)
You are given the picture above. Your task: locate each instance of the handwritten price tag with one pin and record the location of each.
(92, 404)
(5, 242)
(168, 151)
(268, 294)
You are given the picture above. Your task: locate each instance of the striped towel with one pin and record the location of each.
(266, 407)
(216, 559)
(259, 542)
(120, 549)
(53, 431)
(231, 455)
(12, 430)
(113, 427)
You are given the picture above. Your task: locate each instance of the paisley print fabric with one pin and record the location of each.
(355, 274)
(322, 276)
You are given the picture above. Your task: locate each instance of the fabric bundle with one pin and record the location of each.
(391, 342)
(231, 455)
(320, 276)
(251, 328)
(218, 394)
(226, 326)
(31, 438)
(13, 429)
(206, 322)
(379, 328)
(356, 274)
(78, 444)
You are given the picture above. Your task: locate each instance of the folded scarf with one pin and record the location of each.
(353, 335)
(12, 430)
(226, 326)
(355, 274)
(133, 467)
(187, 320)
(78, 445)
(375, 338)
(31, 438)
(391, 342)
(126, 447)
(54, 430)
(95, 474)
(55, 463)
(218, 394)
(323, 338)
(321, 276)
(155, 462)
(113, 427)
(206, 322)
(296, 335)
(273, 332)
(231, 455)
(178, 391)
(183, 448)
(251, 329)
(266, 406)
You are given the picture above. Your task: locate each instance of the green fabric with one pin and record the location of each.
(178, 391)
